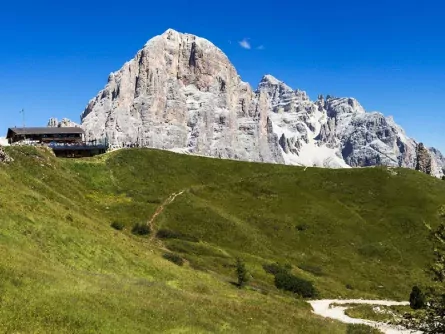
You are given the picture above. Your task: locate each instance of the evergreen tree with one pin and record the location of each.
(432, 320)
(416, 299)
(241, 273)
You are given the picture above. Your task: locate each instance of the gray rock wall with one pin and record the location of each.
(181, 92)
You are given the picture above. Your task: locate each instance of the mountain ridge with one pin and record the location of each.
(181, 92)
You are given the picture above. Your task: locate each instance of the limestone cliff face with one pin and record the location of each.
(438, 161)
(180, 92)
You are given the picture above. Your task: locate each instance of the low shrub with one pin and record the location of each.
(416, 299)
(302, 227)
(154, 201)
(169, 234)
(175, 258)
(141, 229)
(288, 282)
(117, 226)
(276, 268)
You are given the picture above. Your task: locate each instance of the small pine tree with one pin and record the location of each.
(416, 299)
(432, 319)
(241, 273)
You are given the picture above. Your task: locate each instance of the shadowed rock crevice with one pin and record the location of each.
(192, 59)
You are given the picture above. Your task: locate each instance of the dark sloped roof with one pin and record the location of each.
(44, 131)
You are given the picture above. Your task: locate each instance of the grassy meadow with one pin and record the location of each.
(63, 269)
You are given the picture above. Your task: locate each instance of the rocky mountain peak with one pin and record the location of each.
(52, 122)
(270, 80)
(343, 106)
(65, 122)
(170, 31)
(180, 92)
(270, 83)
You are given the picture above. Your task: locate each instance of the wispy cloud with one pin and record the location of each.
(261, 47)
(245, 44)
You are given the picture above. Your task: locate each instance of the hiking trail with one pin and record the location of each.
(334, 309)
(160, 209)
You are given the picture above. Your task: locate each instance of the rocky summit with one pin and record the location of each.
(64, 123)
(181, 93)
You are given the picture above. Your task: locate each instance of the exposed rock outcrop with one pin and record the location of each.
(64, 123)
(4, 157)
(423, 160)
(181, 92)
(438, 159)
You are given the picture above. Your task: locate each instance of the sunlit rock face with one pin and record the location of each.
(181, 93)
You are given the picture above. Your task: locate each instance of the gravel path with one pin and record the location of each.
(324, 308)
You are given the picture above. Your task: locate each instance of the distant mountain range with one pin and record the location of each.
(181, 93)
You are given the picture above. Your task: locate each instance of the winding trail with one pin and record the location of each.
(160, 209)
(337, 312)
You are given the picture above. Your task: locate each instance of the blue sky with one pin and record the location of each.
(390, 55)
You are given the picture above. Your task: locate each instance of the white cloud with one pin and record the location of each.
(261, 47)
(245, 44)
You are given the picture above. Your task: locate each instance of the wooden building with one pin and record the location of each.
(66, 142)
(78, 150)
(46, 135)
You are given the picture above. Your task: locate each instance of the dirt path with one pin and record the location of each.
(159, 210)
(327, 310)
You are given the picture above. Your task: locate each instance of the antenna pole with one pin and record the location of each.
(23, 119)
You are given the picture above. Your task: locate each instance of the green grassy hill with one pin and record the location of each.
(353, 232)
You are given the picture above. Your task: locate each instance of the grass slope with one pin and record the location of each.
(378, 313)
(355, 233)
